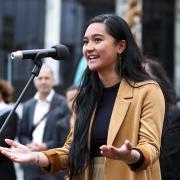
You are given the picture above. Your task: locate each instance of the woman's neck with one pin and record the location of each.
(110, 79)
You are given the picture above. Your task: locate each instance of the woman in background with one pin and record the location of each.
(170, 143)
(7, 169)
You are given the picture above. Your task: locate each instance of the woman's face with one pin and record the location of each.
(100, 48)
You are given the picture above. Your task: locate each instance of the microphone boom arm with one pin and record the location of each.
(35, 72)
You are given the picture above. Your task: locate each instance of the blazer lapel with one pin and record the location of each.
(120, 109)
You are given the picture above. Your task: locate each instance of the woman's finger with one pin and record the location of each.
(7, 152)
(2, 149)
(15, 144)
(128, 145)
(103, 147)
(11, 143)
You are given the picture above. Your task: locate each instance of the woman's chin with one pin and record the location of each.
(93, 67)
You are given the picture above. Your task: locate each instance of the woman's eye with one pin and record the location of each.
(85, 41)
(98, 40)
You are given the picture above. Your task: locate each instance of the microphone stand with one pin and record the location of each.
(35, 72)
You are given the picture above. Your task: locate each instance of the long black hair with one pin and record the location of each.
(129, 67)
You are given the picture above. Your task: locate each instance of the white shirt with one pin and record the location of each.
(42, 107)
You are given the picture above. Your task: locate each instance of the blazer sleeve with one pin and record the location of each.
(151, 123)
(59, 157)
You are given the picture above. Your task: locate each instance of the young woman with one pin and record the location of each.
(119, 113)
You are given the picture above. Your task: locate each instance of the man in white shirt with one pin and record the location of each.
(40, 115)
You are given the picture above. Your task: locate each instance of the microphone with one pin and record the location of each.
(57, 52)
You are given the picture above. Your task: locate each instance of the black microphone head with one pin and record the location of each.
(62, 52)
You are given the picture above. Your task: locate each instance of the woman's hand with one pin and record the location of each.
(18, 152)
(125, 153)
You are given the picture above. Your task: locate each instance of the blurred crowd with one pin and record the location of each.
(44, 122)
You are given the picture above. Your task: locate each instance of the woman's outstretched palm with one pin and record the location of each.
(18, 152)
(121, 153)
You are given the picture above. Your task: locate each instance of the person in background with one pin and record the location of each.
(40, 115)
(79, 71)
(70, 96)
(170, 143)
(68, 121)
(7, 169)
(119, 113)
(178, 102)
(64, 126)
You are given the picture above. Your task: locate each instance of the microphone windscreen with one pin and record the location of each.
(62, 52)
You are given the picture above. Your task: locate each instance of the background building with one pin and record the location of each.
(23, 25)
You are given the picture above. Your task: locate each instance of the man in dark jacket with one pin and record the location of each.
(40, 115)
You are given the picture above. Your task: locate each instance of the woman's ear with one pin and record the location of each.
(121, 46)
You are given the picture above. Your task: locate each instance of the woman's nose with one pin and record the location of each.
(90, 46)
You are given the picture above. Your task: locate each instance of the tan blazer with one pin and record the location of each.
(137, 115)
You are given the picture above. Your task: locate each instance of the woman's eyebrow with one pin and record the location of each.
(94, 35)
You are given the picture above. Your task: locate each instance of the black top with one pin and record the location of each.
(102, 118)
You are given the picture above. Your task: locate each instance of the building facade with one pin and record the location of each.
(23, 26)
